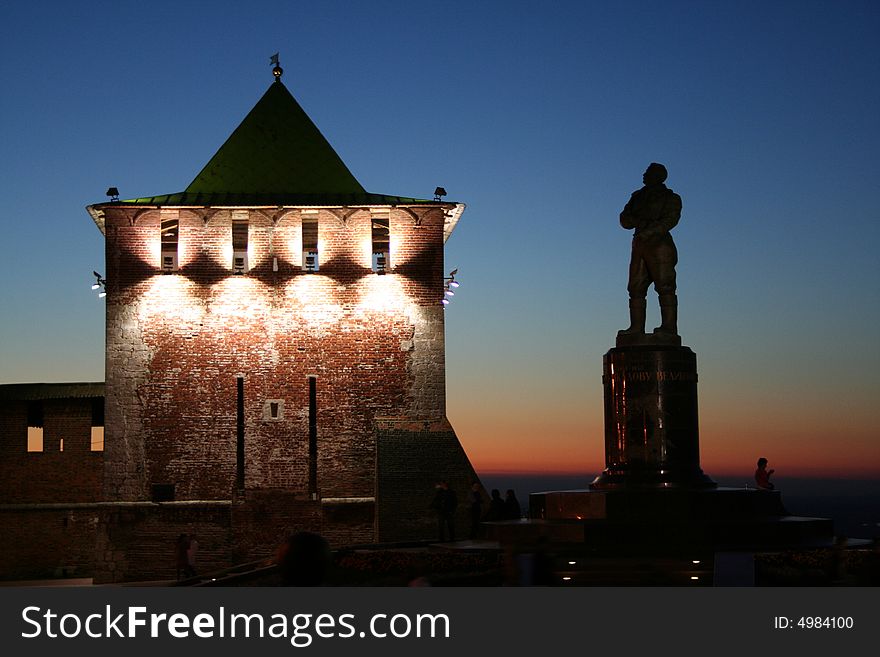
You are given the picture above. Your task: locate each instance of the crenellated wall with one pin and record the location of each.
(53, 474)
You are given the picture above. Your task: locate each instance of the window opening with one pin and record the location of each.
(35, 427)
(310, 243)
(239, 247)
(170, 230)
(96, 441)
(381, 240)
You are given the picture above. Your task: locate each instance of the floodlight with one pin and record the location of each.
(100, 284)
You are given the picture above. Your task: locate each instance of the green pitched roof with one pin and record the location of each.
(275, 157)
(276, 150)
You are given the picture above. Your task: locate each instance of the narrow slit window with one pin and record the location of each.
(381, 240)
(273, 410)
(97, 434)
(239, 433)
(170, 233)
(239, 247)
(35, 427)
(310, 243)
(313, 437)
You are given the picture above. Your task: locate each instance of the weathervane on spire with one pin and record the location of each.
(277, 71)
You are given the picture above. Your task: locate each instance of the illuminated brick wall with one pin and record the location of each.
(177, 342)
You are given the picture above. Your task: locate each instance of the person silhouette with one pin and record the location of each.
(762, 475)
(192, 552)
(181, 555)
(304, 559)
(512, 509)
(476, 510)
(496, 506)
(444, 505)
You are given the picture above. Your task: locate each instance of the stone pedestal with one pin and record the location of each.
(652, 501)
(651, 420)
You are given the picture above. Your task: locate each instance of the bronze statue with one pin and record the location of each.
(653, 211)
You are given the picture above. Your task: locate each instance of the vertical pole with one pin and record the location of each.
(239, 451)
(313, 437)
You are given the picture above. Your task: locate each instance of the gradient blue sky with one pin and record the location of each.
(541, 117)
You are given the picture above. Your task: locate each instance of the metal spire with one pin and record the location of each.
(277, 71)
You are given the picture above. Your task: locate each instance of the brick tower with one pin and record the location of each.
(275, 341)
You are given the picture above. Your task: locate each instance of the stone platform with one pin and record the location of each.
(670, 521)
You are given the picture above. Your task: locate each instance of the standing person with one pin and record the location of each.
(443, 505)
(652, 211)
(451, 506)
(191, 553)
(512, 509)
(476, 510)
(181, 548)
(762, 475)
(496, 506)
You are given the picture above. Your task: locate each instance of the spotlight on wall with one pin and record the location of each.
(439, 193)
(113, 193)
(451, 283)
(100, 284)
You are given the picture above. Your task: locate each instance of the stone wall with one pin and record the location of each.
(112, 542)
(136, 541)
(263, 519)
(411, 458)
(73, 474)
(45, 541)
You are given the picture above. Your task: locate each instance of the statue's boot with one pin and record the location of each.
(636, 317)
(668, 315)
